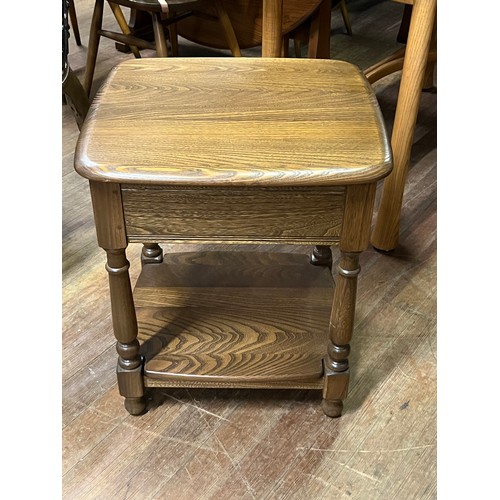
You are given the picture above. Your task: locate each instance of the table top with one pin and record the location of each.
(226, 121)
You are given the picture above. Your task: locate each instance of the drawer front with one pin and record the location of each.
(237, 215)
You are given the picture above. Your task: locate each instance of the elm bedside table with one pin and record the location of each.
(234, 151)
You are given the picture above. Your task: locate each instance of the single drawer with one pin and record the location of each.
(297, 215)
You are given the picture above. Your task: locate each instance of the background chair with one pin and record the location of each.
(164, 13)
(416, 61)
(74, 21)
(73, 93)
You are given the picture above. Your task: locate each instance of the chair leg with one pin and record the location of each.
(74, 22)
(431, 65)
(297, 47)
(286, 42)
(161, 43)
(386, 233)
(172, 30)
(227, 27)
(319, 32)
(122, 22)
(345, 17)
(94, 37)
(300, 37)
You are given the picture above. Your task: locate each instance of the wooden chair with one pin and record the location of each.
(74, 21)
(416, 61)
(72, 90)
(75, 96)
(164, 13)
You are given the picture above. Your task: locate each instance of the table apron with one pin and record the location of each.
(296, 215)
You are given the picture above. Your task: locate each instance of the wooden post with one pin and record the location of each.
(122, 22)
(319, 33)
(94, 37)
(272, 22)
(336, 363)
(160, 41)
(152, 253)
(353, 240)
(111, 236)
(227, 28)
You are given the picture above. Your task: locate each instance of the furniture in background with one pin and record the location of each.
(74, 21)
(306, 33)
(234, 151)
(416, 61)
(248, 21)
(164, 13)
(345, 15)
(75, 95)
(72, 90)
(255, 21)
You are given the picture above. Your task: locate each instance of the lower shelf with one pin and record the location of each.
(234, 319)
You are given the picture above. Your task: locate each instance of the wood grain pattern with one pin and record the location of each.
(357, 218)
(244, 334)
(272, 27)
(129, 368)
(225, 444)
(106, 199)
(273, 122)
(234, 323)
(162, 14)
(232, 214)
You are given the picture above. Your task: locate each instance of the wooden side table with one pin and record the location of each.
(216, 150)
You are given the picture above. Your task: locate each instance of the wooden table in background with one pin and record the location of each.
(275, 23)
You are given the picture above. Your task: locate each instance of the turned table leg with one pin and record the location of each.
(110, 228)
(129, 369)
(152, 253)
(354, 240)
(340, 333)
(321, 256)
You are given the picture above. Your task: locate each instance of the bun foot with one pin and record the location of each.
(332, 408)
(135, 406)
